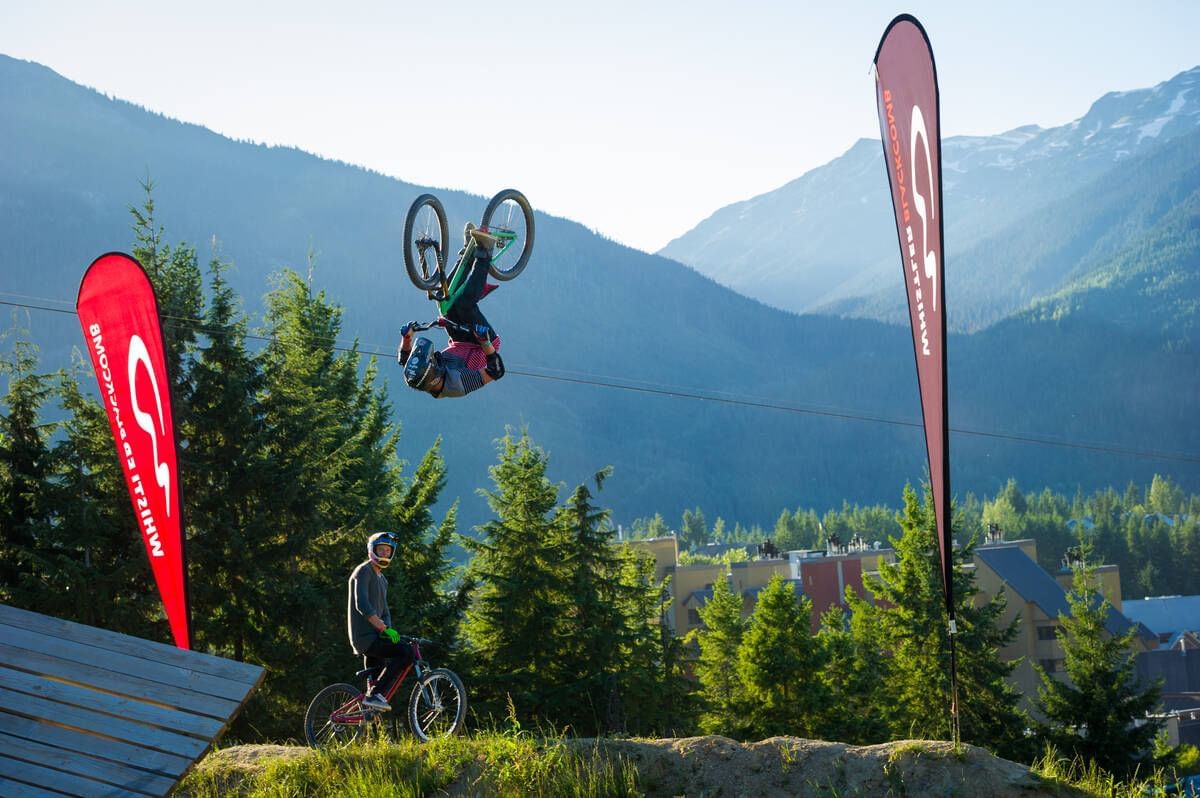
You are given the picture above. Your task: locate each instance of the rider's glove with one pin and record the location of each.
(495, 366)
(391, 634)
(407, 329)
(483, 333)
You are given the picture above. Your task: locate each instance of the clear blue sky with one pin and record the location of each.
(637, 119)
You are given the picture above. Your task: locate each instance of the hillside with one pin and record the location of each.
(590, 311)
(1026, 212)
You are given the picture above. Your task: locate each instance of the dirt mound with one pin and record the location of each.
(781, 766)
(789, 766)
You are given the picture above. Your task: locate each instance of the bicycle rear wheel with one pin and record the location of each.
(438, 705)
(426, 238)
(510, 218)
(334, 717)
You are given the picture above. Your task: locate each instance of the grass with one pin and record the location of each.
(1089, 778)
(500, 764)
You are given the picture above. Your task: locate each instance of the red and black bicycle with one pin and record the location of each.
(437, 706)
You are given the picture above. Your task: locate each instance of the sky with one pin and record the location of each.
(636, 118)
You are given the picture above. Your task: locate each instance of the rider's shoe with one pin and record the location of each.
(467, 229)
(484, 239)
(375, 701)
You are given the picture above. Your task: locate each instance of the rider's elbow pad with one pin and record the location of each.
(495, 366)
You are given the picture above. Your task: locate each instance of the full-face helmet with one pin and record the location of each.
(381, 539)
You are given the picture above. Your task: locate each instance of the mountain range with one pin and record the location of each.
(1029, 214)
(697, 395)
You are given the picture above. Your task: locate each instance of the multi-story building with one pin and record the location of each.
(1038, 599)
(822, 575)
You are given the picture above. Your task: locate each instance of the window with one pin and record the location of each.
(693, 618)
(1047, 632)
(1048, 665)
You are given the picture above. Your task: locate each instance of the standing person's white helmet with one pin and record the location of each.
(381, 539)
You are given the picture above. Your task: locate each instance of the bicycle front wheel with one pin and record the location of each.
(510, 218)
(438, 705)
(335, 718)
(426, 238)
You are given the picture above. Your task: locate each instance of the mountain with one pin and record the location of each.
(1026, 212)
(799, 410)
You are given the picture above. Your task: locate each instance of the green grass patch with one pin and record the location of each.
(490, 764)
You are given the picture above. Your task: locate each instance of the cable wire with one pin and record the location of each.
(681, 393)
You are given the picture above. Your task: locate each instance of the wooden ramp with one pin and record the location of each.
(87, 712)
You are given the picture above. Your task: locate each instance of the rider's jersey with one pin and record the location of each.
(463, 362)
(367, 597)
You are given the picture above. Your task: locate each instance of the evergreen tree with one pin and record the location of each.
(694, 532)
(852, 675)
(913, 628)
(1100, 712)
(25, 465)
(722, 699)
(514, 625)
(779, 662)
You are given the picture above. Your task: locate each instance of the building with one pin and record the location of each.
(1176, 622)
(823, 575)
(1038, 599)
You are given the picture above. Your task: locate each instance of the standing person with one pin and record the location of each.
(471, 360)
(369, 621)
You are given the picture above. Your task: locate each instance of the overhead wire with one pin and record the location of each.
(653, 389)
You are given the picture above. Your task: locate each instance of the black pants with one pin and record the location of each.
(465, 309)
(395, 657)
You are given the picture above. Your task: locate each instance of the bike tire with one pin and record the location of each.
(509, 211)
(437, 706)
(319, 730)
(426, 233)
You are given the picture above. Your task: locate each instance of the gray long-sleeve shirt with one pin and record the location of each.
(367, 597)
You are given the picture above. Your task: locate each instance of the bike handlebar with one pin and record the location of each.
(440, 321)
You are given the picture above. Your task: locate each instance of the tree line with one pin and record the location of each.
(1151, 532)
(289, 462)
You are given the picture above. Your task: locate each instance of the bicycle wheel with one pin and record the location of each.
(438, 705)
(426, 238)
(509, 217)
(334, 717)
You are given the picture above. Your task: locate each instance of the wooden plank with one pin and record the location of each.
(79, 763)
(117, 750)
(163, 673)
(57, 780)
(116, 682)
(19, 789)
(99, 723)
(125, 644)
(67, 695)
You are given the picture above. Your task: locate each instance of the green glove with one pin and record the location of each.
(391, 634)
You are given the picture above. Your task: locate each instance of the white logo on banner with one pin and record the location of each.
(923, 208)
(138, 354)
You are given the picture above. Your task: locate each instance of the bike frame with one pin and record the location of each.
(453, 286)
(352, 712)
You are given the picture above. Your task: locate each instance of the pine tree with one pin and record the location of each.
(514, 625)
(913, 625)
(852, 676)
(594, 624)
(722, 698)
(779, 662)
(1100, 712)
(25, 465)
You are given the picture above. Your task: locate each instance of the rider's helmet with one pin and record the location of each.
(381, 538)
(422, 367)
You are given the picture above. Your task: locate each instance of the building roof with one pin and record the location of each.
(699, 597)
(1166, 614)
(1031, 582)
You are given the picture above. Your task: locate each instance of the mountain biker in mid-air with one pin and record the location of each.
(369, 621)
(471, 360)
